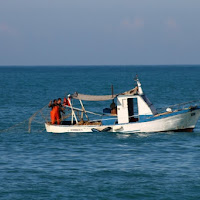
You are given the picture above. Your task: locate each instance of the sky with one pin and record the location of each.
(99, 32)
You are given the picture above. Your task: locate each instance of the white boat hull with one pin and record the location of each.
(184, 121)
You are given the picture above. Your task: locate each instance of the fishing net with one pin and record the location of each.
(35, 122)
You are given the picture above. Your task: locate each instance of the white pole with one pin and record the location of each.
(73, 113)
(83, 109)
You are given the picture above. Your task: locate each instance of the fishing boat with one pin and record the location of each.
(134, 113)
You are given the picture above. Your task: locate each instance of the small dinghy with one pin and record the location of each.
(133, 113)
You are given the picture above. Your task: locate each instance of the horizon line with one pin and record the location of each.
(106, 65)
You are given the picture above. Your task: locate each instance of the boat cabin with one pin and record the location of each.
(133, 108)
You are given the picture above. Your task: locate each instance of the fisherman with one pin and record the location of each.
(61, 108)
(113, 108)
(51, 105)
(54, 112)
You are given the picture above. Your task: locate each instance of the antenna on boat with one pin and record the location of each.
(140, 91)
(112, 90)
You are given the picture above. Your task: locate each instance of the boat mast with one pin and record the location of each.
(140, 91)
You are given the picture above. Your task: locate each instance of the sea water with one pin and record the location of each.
(40, 165)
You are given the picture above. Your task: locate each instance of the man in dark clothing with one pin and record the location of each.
(51, 105)
(61, 108)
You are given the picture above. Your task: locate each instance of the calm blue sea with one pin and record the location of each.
(40, 165)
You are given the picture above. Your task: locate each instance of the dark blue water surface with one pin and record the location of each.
(40, 165)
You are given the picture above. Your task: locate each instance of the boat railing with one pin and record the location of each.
(179, 107)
